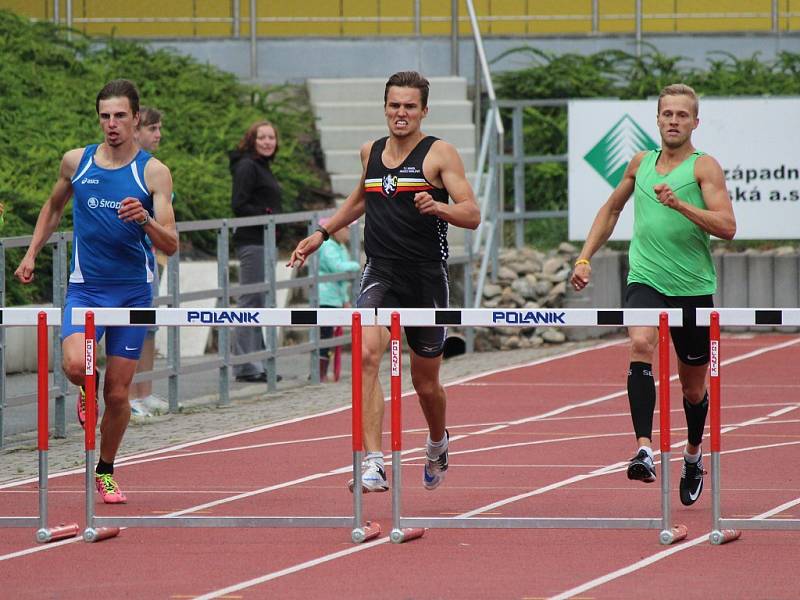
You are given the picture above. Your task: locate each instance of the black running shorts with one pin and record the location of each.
(398, 284)
(690, 341)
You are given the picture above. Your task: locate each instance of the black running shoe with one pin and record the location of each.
(691, 481)
(641, 468)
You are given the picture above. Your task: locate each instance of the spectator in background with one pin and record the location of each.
(143, 402)
(334, 257)
(256, 192)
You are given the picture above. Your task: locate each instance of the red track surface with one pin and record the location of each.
(561, 418)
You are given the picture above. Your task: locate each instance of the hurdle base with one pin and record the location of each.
(366, 533)
(723, 536)
(59, 532)
(675, 534)
(98, 534)
(406, 534)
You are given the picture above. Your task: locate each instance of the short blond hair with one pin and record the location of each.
(680, 89)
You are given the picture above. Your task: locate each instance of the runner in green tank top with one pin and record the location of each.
(680, 199)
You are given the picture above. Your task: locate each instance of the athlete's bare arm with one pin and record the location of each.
(50, 215)
(717, 218)
(444, 168)
(605, 221)
(161, 230)
(350, 210)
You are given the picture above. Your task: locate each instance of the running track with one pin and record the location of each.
(545, 439)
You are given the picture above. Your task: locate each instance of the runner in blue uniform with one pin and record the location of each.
(121, 194)
(407, 183)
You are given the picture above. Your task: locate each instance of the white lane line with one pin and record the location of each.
(128, 459)
(349, 467)
(488, 508)
(633, 567)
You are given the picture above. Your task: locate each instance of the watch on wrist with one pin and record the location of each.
(325, 235)
(144, 221)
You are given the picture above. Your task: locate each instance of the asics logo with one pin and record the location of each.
(88, 181)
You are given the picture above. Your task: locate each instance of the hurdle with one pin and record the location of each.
(98, 528)
(407, 528)
(728, 530)
(42, 318)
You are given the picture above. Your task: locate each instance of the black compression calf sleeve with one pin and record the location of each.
(642, 398)
(696, 419)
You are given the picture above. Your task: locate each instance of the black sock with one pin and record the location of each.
(104, 468)
(642, 398)
(696, 419)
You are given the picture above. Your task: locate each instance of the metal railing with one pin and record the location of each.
(767, 16)
(177, 365)
(488, 187)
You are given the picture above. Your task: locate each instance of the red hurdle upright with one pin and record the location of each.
(43, 320)
(366, 531)
(405, 528)
(263, 317)
(91, 533)
(398, 534)
(718, 535)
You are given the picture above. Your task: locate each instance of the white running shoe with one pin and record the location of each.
(139, 410)
(373, 478)
(157, 405)
(435, 467)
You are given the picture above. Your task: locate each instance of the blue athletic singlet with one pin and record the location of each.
(105, 249)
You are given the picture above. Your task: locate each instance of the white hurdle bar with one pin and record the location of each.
(408, 528)
(98, 528)
(41, 318)
(728, 530)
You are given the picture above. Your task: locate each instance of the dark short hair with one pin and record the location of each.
(119, 88)
(247, 145)
(148, 116)
(680, 89)
(410, 79)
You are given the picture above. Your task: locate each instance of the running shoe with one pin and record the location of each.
(641, 467)
(156, 405)
(373, 478)
(109, 489)
(138, 409)
(691, 481)
(80, 405)
(435, 467)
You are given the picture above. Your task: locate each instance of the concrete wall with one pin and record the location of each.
(745, 279)
(297, 59)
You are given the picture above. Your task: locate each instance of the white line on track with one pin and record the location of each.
(130, 459)
(346, 469)
(633, 567)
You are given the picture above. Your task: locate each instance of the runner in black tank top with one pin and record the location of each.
(395, 229)
(407, 182)
(406, 250)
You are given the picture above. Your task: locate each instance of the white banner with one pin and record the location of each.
(753, 140)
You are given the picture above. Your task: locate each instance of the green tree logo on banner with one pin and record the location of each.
(611, 155)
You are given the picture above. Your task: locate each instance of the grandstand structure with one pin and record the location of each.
(358, 18)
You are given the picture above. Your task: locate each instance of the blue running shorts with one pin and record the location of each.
(121, 341)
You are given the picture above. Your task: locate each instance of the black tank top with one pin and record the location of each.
(395, 229)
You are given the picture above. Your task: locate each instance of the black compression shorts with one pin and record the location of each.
(398, 284)
(690, 341)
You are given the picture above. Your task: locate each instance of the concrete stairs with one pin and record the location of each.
(350, 112)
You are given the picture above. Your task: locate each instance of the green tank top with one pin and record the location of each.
(668, 252)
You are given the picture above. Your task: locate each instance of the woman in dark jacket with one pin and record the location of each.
(255, 192)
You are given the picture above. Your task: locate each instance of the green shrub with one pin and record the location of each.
(48, 85)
